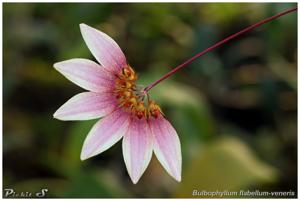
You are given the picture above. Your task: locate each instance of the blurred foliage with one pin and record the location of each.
(240, 169)
(235, 109)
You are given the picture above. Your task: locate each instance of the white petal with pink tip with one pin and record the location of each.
(104, 48)
(105, 133)
(137, 148)
(85, 106)
(166, 146)
(86, 74)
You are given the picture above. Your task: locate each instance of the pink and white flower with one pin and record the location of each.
(113, 96)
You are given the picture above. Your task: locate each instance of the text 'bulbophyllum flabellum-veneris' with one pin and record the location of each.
(124, 111)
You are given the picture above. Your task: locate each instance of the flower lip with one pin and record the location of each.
(131, 99)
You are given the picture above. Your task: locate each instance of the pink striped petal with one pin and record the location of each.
(137, 148)
(86, 105)
(86, 74)
(105, 133)
(166, 146)
(104, 48)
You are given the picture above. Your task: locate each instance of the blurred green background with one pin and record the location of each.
(235, 109)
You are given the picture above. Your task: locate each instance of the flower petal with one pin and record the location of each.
(166, 146)
(86, 105)
(104, 48)
(86, 74)
(137, 148)
(105, 133)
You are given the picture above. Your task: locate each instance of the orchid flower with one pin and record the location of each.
(126, 113)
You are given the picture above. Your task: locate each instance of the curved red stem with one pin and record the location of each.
(184, 64)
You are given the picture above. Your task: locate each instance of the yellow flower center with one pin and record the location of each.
(131, 99)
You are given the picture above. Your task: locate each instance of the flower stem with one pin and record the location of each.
(184, 64)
